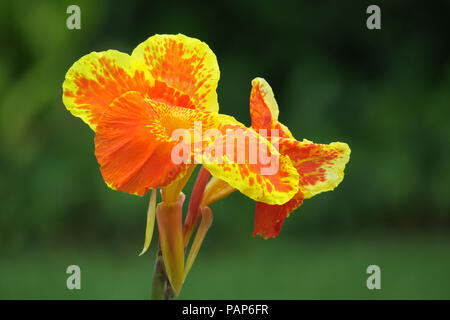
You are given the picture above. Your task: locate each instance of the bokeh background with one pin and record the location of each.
(384, 92)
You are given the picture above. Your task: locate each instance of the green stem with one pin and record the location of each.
(169, 293)
(161, 288)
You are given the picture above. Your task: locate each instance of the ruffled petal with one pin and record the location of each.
(132, 147)
(320, 166)
(94, 81)
(183, 65)
(174, 69)
(270, 218)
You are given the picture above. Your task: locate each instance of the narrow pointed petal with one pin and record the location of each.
(98, 78)
(216, 190)
(205, 224)
(186, 65)
(263, 106)
(151, 213)
(320, 166)
(169, 219)
(264, 109)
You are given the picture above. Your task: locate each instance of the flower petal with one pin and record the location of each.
(205, 224)
(215, 190)
(249, 179)
(98, 78)
(132, 147)
(185, 64)
(264, 109)
(151, 213)
(320, 166)
(263, 106)
(270, 218)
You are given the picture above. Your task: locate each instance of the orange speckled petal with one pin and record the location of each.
(264, 109)
(98, 78)
(249, 179)
(269, 178)
(183, 64)
(263, 106)
(320, 166)
(284, 131)
(132, 147)
(270, 218)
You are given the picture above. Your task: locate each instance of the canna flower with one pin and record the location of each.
(320, 167)
(134, 103)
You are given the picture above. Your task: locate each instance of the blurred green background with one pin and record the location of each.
(384, 92)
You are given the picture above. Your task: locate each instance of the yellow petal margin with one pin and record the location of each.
(320, 166)
(94, 81)
(175, 69)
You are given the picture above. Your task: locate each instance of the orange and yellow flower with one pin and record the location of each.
(320, 166)
(135, 102)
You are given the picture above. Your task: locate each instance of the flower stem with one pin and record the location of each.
(161, 288)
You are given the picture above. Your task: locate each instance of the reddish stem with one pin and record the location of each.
(193, 214)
